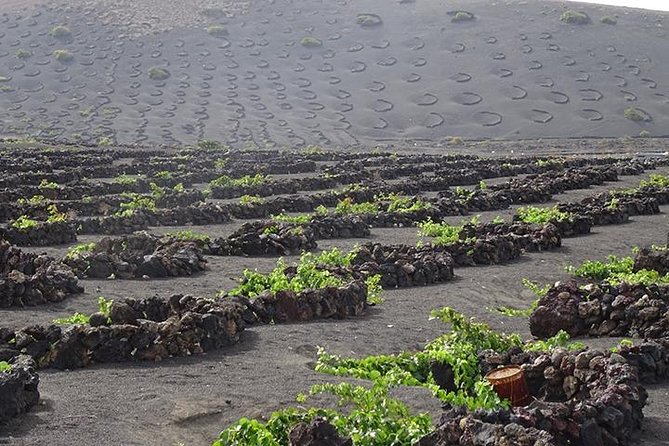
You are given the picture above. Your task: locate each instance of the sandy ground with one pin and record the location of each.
(514, 72)
(189, 400)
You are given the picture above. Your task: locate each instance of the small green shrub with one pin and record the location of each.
(443, 233)
(295, 219)
(405, 205)
(311, 42)
(575, 17)
(644, 134)
(532, 214)
(79, 249)
(189, 235)
(462, 16)
(23, 54)
(245, 181)
(348, 207)
(75, 319)
(137, 202)
(35, 200)
(126, 180)
(5, 367)
(63, 56)
(368, 20)
(54, 215)
(637, 115)
(656, 180)
(24, 223)
(249, 200)
(158, 73)
(61, 32)
(609, 20)
(46, 184)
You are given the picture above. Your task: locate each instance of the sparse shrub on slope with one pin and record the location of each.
(575, 17)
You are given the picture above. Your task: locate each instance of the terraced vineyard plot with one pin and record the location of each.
(371, 243)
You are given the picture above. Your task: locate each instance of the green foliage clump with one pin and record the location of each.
(54, 215)
(458, 349)
(405, 205)
(24, 223)
(35, 200)
(5, 367)
(656, 180)
(532, 214)
(311, 42)
(348, 207)
(373, 419)
(248, 200)
(104, 307)
(220, 163)
(137, 202)
(75, 319)
(550, 162)
(295, 219)
(163, 175)
(575, 17)
(23, 54)
(637, 115)
(63, 55)
(245, 181)
(498, 220)
(61, 32)
(125, 180)
(79, 249)
(609, 20)
(560, 340)
(617, 270)
(444, 233)
(321, 211)
(46, 184)
(307, 276)
(597, 270)
(159, 73)
(189, 235)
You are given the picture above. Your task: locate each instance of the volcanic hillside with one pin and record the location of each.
(294, 72)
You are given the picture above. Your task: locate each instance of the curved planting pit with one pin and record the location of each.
(28, 279)
(289, 306)
(630, 297)
(603, 310)
(265, 238)
(583, 398)
(149, 329)
(403, 266)
(18, 387)
(136, 256)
